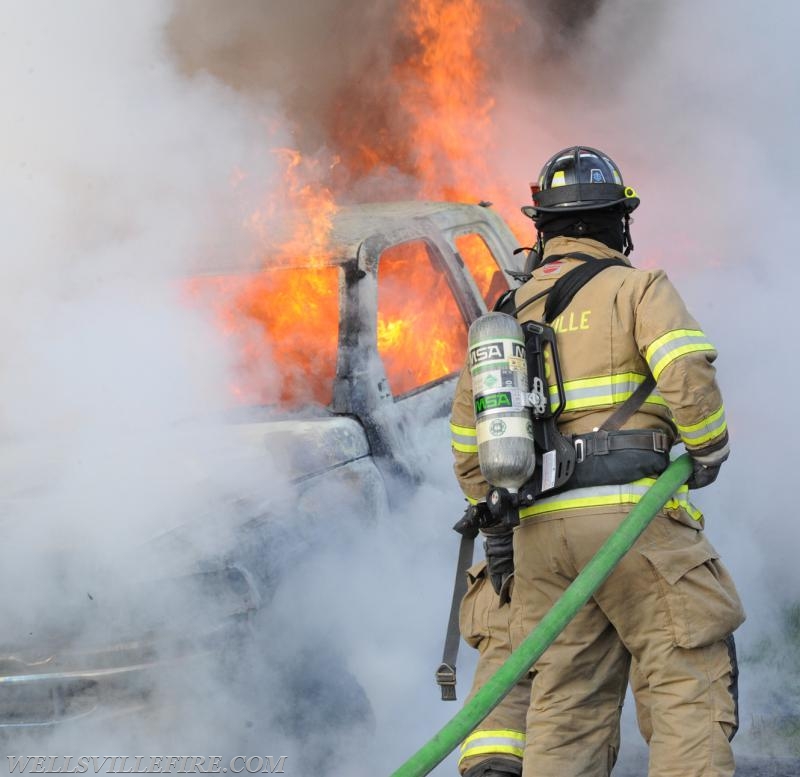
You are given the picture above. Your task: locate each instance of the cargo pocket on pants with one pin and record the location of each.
(700, 596)
(473, 613)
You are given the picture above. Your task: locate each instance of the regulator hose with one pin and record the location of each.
(590, 578)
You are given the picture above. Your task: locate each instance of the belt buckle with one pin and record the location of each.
(580, 450)
(446, 680)
(660, 442)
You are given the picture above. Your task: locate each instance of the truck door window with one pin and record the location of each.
(483, 267)
(283, 329)
(422, 336)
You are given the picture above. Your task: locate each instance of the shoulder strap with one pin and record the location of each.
(616, 420)
(559, 295)
(566, 287)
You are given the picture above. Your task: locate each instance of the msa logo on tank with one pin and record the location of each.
(494, 402)
(499, 400)
(496, 350)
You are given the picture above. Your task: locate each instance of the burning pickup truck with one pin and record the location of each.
(378, 332)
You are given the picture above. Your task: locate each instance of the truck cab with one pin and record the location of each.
(364, 349)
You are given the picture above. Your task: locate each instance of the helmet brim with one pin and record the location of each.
(532, 211)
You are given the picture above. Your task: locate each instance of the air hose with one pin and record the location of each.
(590, 578)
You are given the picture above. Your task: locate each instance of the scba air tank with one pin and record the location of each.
(500, 389)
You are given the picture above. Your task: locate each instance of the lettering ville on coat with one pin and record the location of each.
(571, 322)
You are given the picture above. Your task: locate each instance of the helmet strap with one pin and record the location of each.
(627, 235)
(538, 250)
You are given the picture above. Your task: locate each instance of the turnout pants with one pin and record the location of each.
(671, 604)
(485, 625)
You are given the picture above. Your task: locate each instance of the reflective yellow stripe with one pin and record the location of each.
(681, 501)
(464, 438)
(672, 345)
(676, 353)
(710, 427)
(465, 430)
(605, 496)
(503, 741)
(461, 448)
(596, 393)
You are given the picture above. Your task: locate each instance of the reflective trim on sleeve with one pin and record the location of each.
(604, 496)
(665, 349)
(596, 393)
(464, 438)
(501, 741)
(700, 433)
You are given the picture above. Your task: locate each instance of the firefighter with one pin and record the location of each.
(670, 603)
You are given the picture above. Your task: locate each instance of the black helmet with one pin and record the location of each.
(580, 178)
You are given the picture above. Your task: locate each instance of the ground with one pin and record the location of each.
(745, 767)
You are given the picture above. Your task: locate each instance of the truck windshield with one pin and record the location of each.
(283, 325)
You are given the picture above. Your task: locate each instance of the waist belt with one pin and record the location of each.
(606, 458)
(601, 443)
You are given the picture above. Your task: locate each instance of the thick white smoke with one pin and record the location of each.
(118, 181)
(122, 176)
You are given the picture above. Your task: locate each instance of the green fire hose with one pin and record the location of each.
(552, 624)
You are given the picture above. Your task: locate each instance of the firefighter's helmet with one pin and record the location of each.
(580, 178)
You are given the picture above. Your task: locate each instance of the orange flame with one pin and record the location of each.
(284, 322)
(410, 360)
(284, 317)
(447, 130)
(445, 94)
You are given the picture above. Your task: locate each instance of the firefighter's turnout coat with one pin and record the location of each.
(670, 602)
(606, 351)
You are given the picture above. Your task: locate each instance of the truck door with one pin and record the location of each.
(415, 305)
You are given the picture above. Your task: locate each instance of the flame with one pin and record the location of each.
(284, 323)
(301, 193)
(432, 122)
(479, 260)
(445, 97)
(284, 318)
(411, 360)
(445, 116)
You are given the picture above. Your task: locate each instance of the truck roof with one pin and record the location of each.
(351, 225)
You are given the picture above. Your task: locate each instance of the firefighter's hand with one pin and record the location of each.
(475, 517)
(498, 544)
(706, 469)
(703, 475)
